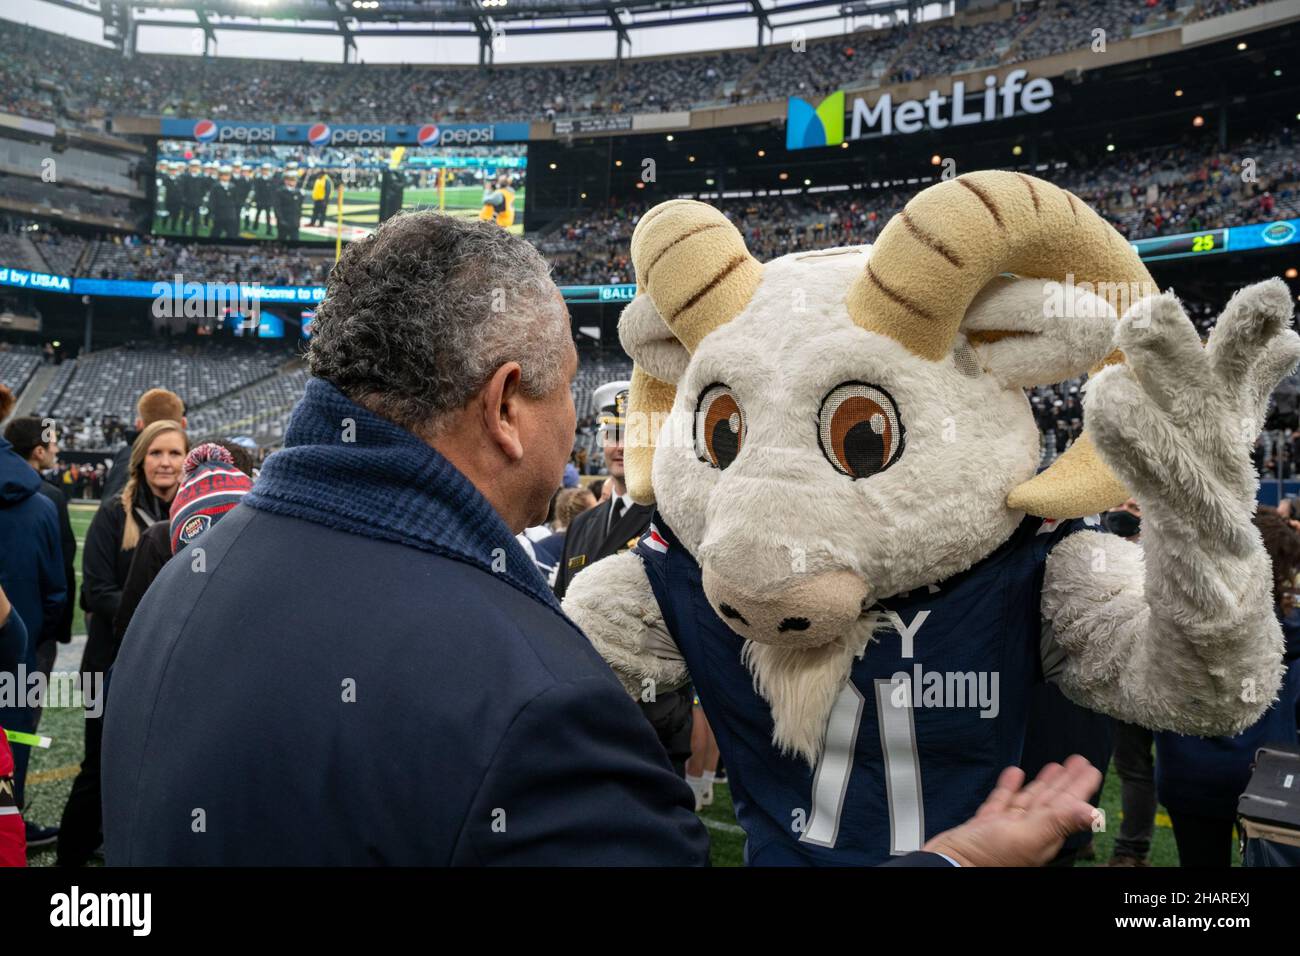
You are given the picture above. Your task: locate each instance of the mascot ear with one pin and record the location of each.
(658, 361)
(693, 274)
(1029, 332)
(646, 337)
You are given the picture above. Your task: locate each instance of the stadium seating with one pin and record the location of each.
(1182, 190)
(108, 383)
(51, 76)
(260, 411)
(17, 364)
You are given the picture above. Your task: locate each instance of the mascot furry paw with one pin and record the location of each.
(853, 559)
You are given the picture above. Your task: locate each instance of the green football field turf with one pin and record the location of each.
(51, 773)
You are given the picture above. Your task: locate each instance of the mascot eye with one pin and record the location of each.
(859, 429)
(719, 426)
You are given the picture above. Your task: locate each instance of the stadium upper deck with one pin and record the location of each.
(53, 77)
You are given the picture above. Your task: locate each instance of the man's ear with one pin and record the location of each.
(1029, 332)
(500, 404)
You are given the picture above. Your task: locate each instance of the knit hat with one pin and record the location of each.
(210, 486)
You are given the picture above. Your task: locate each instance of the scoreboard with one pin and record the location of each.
(1232, 239)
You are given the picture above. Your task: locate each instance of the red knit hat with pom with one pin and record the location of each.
(210, 486)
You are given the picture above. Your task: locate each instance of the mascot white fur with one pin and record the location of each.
(853, 558)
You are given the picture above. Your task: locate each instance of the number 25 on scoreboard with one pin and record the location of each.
(1203, 243)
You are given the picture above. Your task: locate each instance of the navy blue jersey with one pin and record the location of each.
(932, 712)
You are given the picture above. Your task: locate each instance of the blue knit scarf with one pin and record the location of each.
(386, 483)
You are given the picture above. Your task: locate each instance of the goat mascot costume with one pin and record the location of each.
(852, 556)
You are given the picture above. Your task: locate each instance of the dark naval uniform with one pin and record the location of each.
(288, 212)
(591, 537)
(223, 202)
(605, 530)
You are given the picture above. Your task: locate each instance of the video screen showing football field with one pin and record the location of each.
(293, 193)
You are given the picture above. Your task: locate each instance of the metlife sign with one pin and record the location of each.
(343, 134)
(807, 125)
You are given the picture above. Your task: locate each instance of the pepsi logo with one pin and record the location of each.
(319, 134)
(205, 131)
(427, 135)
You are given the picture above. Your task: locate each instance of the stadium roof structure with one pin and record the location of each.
(484, 19)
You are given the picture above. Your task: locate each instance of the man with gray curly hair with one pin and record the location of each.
(363, 637)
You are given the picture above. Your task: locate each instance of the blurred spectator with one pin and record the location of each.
(153, 476)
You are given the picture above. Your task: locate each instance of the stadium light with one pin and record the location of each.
(553, 166)
(690, 159)
(936, 159)
(1110, 147)
(669, 137)
(1178, 92)
(1291, 273)
(1241, 45)
(1016, 150)
(1198, 120)
(708, 182)
(783, 176)
(618, 162)
(1277, 72)
(762, 153)
(583, 196)
(807, 182)
(844, 145)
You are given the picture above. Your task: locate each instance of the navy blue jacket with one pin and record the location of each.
(31, 556)
(31, 572)
(363, 667)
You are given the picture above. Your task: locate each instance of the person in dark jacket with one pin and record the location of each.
(155, 469)
(155, 405)
(1199, 779)
(287, 200)
(214, 479)
(615, 525)
(525, 750)
(31, 573)
(264, 197)
(36, 441)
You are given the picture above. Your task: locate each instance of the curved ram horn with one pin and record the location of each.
(954, 237)
(692, 263)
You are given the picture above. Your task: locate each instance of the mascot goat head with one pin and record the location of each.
(835, 427)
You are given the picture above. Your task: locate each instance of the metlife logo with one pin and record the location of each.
(808, 126)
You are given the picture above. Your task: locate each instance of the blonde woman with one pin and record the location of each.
(157, 457)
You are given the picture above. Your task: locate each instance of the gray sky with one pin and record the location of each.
(585, 46)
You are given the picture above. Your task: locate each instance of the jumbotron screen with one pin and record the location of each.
(294, 193)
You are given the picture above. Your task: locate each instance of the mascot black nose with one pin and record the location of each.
(793, 624)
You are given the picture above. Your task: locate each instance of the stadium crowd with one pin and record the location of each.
(1143, 193)
(49, 76)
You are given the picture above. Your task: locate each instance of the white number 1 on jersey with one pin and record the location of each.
(902, 767)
